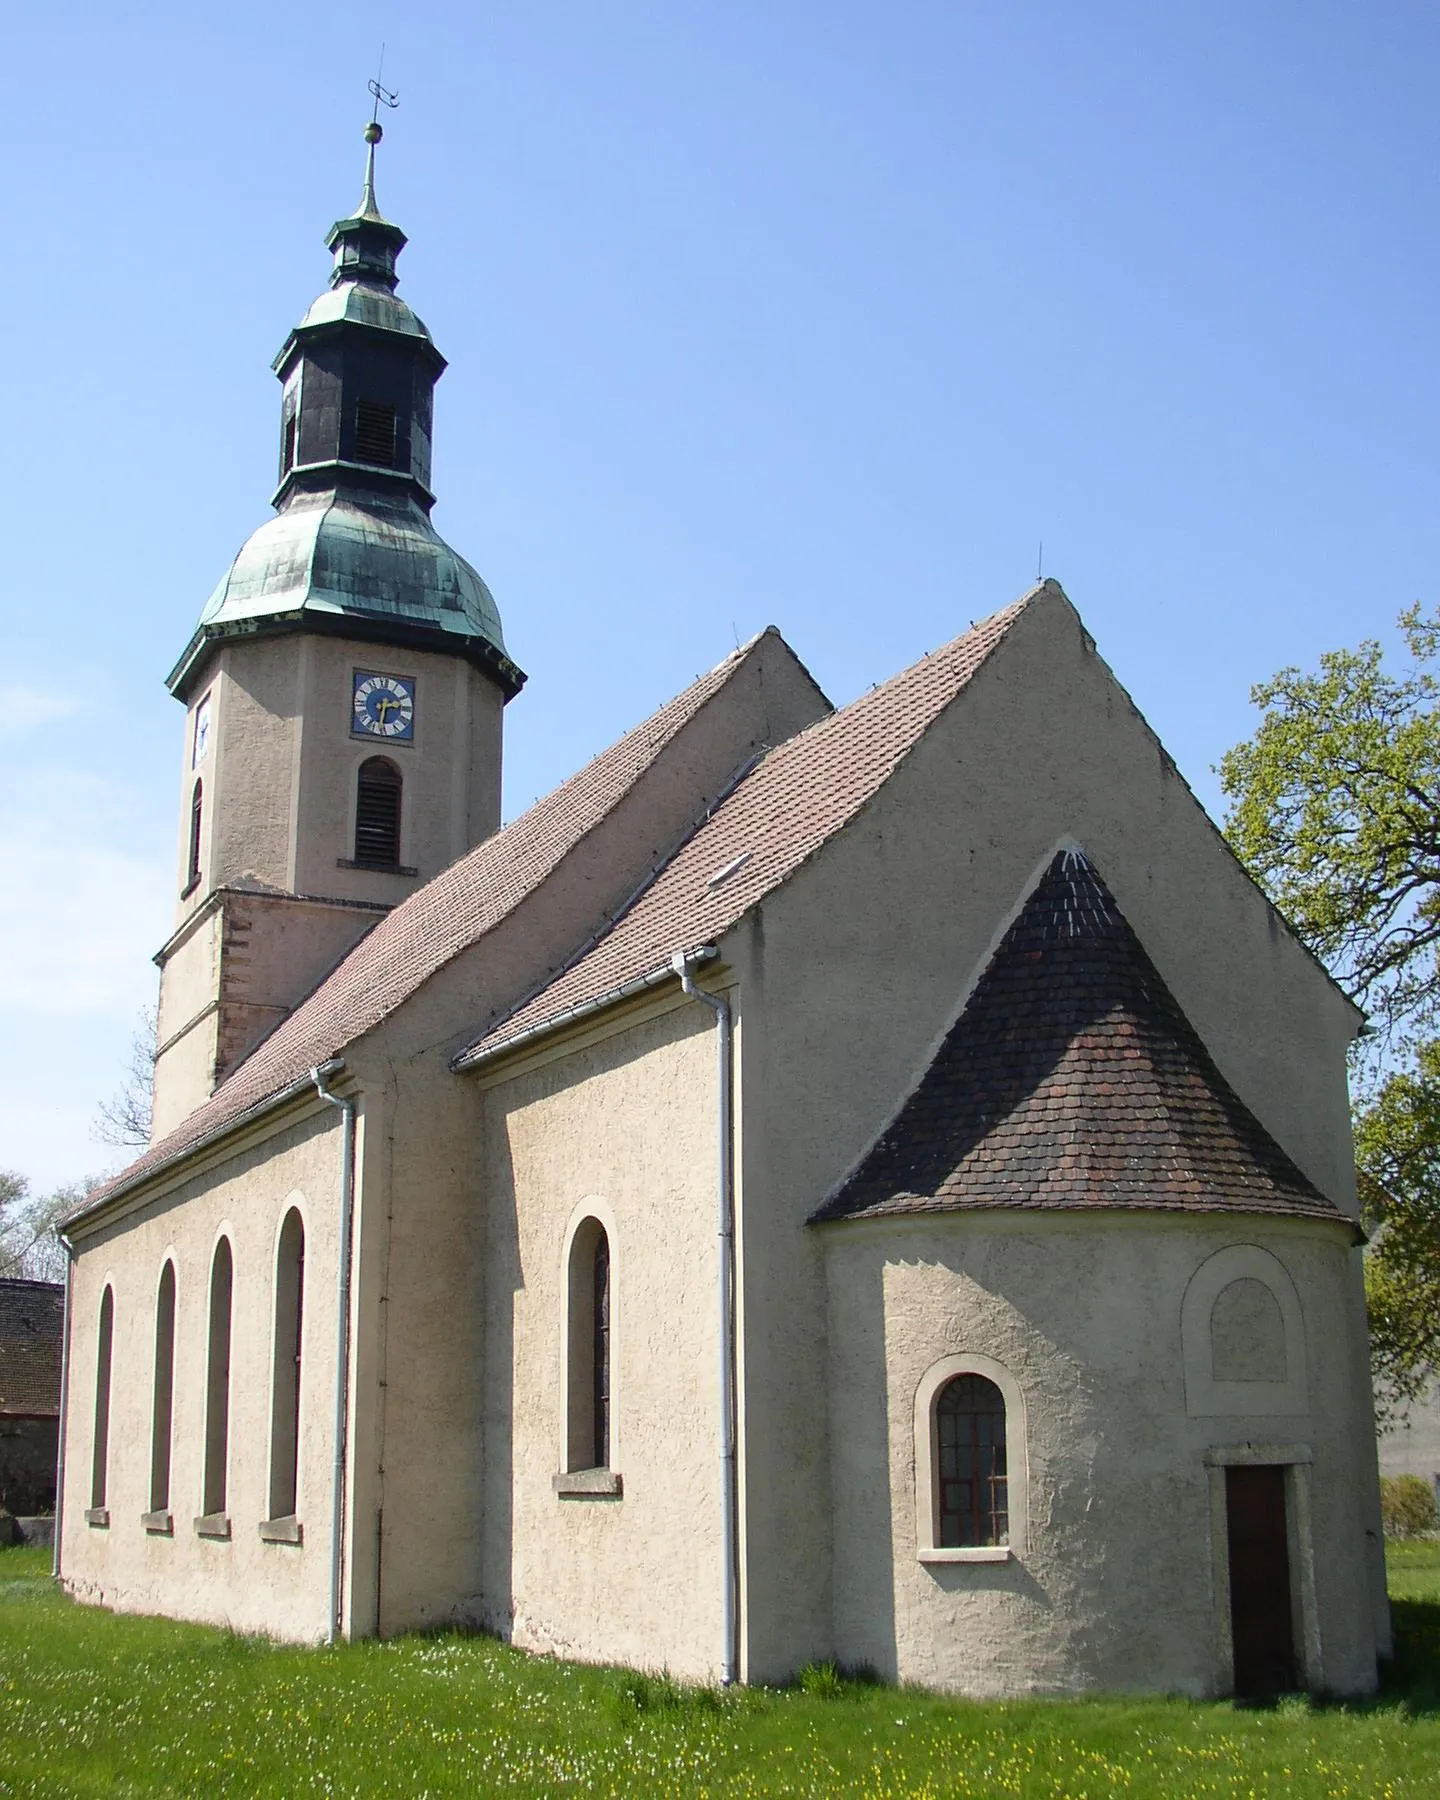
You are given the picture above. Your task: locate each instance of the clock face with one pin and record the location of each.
(202, 733)
(383, 707)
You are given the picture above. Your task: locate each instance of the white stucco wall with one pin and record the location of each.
(856, 968)
(1118, 1582)
(624, 1128)
(245, 1583)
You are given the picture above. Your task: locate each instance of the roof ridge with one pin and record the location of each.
(982, 638)
(472, 897)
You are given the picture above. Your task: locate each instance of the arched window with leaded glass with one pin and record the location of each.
(972, 1501)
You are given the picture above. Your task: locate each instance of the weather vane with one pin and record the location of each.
(383, 97)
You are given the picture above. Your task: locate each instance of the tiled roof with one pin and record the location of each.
(32, 1323)
(791, 803)
(433, 926)
(1073, 1080)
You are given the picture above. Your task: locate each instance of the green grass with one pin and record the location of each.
(91, 1704)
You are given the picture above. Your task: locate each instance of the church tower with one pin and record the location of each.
(344, 687)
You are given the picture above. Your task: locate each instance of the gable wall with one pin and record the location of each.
(856, 968)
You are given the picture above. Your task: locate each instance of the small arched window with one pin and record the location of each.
(197, 808)
(588, 1348)
(100, 1443)
(162, 1403)
(285, 1369)
(217, 1382)
(972, 1497)
(377, 814)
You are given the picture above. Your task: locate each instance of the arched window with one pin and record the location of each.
(162, 1403)
(217, 1382)
(285, 1367)
(971, 1475)
(588, 1348)
(377, 814)
(972, 1500)
(192, 867)
(100, 1443)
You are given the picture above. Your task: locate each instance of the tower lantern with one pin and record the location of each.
(344, 686)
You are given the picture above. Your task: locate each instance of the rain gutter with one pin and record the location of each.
(489, 1052)
(682, 965)
(342, 1333)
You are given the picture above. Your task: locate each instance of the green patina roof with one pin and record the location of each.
(376, 562)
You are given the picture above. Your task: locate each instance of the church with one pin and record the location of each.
(867, 1185)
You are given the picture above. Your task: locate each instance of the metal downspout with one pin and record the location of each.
(342, 1344)
(64, 1406)
(725, 1230)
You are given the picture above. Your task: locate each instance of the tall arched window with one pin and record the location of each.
(588, 1348)
(973, 1503)
(285, 1368)
(217, 1382)
(162, 1403)
(192, 867)
(100, 1442)
(377, 814)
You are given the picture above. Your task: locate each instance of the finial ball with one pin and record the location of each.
(374, 131)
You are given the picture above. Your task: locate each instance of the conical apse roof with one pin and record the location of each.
(1073, 1080)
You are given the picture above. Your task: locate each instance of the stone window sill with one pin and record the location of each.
(589, 1484)
(213, 1525)
(376, 868)
(98, 1516)
(189, 888)
(282, 1531)
(968, 1553)
(158, 1524)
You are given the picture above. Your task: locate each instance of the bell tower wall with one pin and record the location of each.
(277, 877)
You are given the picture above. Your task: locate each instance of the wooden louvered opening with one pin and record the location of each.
(375, 434)
(287, 450)
(377, 814)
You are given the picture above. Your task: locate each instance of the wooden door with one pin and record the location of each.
(1260, 1618)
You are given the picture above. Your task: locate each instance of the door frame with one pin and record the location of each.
(1296, 1460)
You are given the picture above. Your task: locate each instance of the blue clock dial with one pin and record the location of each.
(383, 706)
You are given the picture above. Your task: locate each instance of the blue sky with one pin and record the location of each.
(819, 315)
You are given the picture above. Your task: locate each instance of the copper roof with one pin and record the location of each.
(32, 1323)
(794, 800)
(433, 926)
(1072, 1080)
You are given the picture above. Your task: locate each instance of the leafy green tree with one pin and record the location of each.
(1335, 809)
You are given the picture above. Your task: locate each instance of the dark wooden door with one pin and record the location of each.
(1259, 1580)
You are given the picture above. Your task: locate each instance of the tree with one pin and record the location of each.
(1397, 1154)
(29, 1246)
(1335, 809)
(125, 1120)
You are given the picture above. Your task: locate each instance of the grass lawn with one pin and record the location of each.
(92, 1704)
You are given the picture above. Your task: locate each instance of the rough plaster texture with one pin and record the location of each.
(1116, 1586)
(279, 785)
(278, 1588)
(415, 1506)
(624, 1129)
(853, 972)
(849, 975)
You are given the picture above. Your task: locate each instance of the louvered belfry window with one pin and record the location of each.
(377, 814)
(375, 434)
